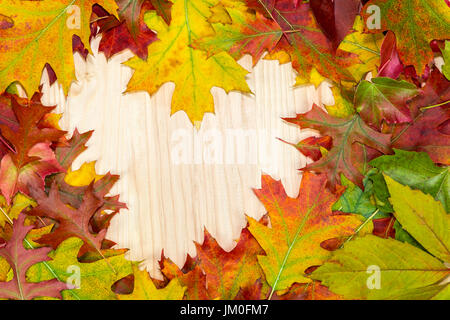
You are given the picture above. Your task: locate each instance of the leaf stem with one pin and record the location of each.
(361, 226)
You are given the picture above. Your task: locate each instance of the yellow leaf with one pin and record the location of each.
(42, 33)
(82, 176)
(19, 203)
(172, 59)
(145, 289)
(366, 46)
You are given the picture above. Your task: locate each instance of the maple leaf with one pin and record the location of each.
(384, 99)
(145, 289)
(335, 18)
(95, 278)
(225, 271)
(173, 59)
(116, 37)
(42, 33)
(304, 42)
(298, 226)
(191, 277)
(416, 271)
(416, 170)
(252, 292)
(20, 260)
(131, 11)
(72, 222)
(247, 33)
(418, 22)
(345, 132)
(366, 47)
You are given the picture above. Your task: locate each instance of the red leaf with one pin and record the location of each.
(335, 17)
(20, 259)
(116, 37)
(72, 222)
(390, 64)
(345, 132)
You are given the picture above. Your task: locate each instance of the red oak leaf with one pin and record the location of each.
(20, 259)
(390, 64)
(71, 222)
(32, 159)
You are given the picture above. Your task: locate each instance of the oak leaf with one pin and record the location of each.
(145, 289)
(95, 278)
(20, 260)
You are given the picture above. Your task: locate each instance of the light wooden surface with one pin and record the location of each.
(175, 178)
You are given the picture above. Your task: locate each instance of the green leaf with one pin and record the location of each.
(384, 99)
(423, 217)
(403, 269)
(355, 200)
(96, 278)
(446, 55)
(415, 169)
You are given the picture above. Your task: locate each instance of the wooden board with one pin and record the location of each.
(178, 178)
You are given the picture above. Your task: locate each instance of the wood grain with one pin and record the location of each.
(178, 178)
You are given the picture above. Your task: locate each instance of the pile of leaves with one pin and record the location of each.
(374, 199)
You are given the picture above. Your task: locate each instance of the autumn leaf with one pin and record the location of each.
(446, 56)
(346, 273)
(298, 226)
(344, 132)
(116, 37)
(366, 46)
(145, 289)
(66, 154)
(335, 18)
(96, 278)
(225, 271)
(131, 11)
(12, 211)
(247, 33)
(172, 59)
(390, 64)
(71, 222)
(384, 99)
(425, 219)
(416, 170)
(42, 33)
(416, 23)
(32, 159)
(20, 260)
(310, 291)
(191, 277)
(304, 42)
